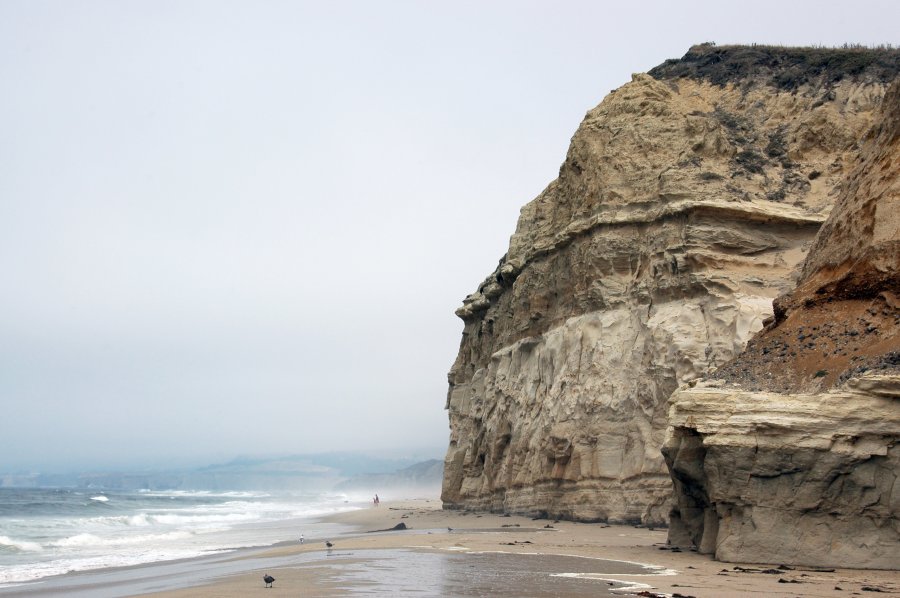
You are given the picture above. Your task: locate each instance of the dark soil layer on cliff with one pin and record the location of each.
(818, 346)
(783, 68)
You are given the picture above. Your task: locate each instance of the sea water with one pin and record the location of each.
(46, 532)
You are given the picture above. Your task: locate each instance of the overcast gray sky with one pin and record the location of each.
(241, 228)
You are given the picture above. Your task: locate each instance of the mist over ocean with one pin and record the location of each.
(45, 531)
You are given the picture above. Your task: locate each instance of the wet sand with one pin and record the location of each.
(454, 553)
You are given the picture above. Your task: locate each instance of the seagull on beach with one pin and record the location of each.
(268, 579)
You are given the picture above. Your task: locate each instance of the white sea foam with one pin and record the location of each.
(205, 519)
(78, 534)
(78, 540)
(628, 585)
(139, 520)
(92, 540)
(204, 494)
(167, 518)
(7, 543)
(31, 572)
(111, 521)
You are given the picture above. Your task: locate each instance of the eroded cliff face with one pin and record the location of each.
(791, 452)
(682, 209)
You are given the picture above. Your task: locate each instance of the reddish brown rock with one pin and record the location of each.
(791, 452)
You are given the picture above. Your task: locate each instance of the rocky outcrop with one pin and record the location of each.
(791, 452)
(795, 479)
(682, 209)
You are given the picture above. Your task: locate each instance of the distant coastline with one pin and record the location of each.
(319, 471)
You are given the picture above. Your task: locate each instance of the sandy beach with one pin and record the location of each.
(454, 553)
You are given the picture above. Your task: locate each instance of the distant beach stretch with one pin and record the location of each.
(457, 553)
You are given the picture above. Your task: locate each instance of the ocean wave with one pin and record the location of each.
(203, 494)
(178, 520)
(7, 544)
(140, 520)
(137, 520)
(165, 518)
(100, 498)
(77, 540)
(147, 526)
(17, 574)
(92, 540)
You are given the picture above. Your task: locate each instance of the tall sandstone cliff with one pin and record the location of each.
(791, 452)
(686, 201)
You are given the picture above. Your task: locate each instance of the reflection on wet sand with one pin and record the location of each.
(441, 573)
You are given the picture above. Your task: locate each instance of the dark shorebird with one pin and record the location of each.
(268, 579)
(328, 544)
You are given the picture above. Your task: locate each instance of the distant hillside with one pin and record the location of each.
(295, 472)
(427, 474)
(343, 464)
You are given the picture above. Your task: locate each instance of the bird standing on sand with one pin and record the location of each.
(268, 579)
(328, 544)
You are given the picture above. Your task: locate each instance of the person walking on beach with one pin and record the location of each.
(376, 501)
(301, 538)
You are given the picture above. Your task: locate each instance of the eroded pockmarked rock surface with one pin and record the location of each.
(791, 452)
(798, 479)
(680, 212)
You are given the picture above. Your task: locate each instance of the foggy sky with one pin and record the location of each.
(242, 228)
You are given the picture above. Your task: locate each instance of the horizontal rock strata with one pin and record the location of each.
(791, 452)
(794, 479)
(682, 208)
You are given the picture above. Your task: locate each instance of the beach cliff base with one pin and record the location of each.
(459, 553)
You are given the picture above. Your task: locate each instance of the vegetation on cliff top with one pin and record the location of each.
(781, 67)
